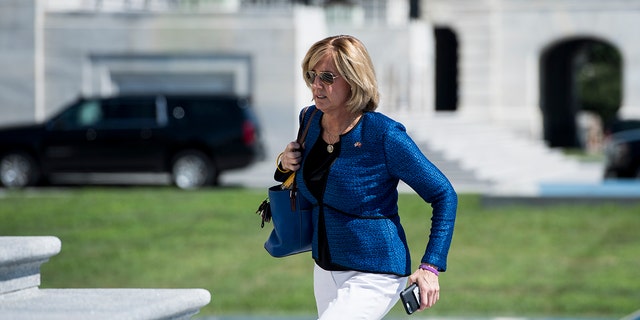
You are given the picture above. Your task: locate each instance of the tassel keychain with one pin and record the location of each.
(264, 210)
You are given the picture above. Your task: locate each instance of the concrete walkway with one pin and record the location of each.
(424, 316)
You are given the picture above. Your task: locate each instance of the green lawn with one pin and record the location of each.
(565, 261)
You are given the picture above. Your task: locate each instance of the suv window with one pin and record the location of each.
(128, 113)
(204, 112)
(84, 114)
(89, 113)
(116, 113)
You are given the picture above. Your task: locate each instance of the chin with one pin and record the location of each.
(320, 105)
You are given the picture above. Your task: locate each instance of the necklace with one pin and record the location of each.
(330, 135)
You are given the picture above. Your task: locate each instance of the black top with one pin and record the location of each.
(315, 175)
(317, 166)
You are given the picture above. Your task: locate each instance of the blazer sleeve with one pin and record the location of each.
(406, 162)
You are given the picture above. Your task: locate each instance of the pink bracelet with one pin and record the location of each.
(430, 268)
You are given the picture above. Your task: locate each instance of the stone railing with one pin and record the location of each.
(218, 6)
(21, 297)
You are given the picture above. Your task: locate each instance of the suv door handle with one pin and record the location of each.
(91, 134)
(146, 134)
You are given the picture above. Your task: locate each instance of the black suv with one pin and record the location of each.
(192, 137)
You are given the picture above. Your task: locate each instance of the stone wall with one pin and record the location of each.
(501, 43)
(19, 49)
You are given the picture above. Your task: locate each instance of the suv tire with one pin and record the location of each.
(18, 170)
(192, 169)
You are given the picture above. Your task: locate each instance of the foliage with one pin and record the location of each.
(599, 80)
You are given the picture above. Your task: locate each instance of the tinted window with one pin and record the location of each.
(201, 112)
(82, 115)
(128, 112)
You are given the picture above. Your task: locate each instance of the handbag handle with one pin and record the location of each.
(302, 135)
(289, 183)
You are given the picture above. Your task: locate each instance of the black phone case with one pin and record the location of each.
(410, 298)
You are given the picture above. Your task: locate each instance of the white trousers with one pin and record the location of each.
(346, 295)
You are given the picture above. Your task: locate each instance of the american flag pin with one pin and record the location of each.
(357, 144)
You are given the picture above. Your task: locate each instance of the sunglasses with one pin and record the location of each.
(325, 77)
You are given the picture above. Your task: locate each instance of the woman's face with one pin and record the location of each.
(330, 98)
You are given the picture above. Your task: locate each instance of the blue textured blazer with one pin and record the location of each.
(360, 200)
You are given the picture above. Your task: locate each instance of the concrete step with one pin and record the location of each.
(98, 304)
(463, 179)
(502, 160)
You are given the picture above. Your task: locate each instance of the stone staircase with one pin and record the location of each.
(480, 157)
(22, 299)
(463, 179)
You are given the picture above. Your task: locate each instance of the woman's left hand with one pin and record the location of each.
(429, 287)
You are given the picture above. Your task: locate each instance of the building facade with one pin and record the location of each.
(478, 60)
(515, 57)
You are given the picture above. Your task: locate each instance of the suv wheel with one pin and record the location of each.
(192, 169)
(18, 170)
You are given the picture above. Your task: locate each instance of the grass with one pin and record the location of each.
(566, 261)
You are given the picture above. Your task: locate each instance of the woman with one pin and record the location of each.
(349, 168)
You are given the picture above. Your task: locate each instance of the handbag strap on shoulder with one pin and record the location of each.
(302, 135)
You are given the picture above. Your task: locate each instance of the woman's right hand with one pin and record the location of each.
(291, 157)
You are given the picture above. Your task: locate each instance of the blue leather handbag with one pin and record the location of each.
(292, 225)
(291, 214)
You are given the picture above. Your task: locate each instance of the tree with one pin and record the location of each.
(599, 80)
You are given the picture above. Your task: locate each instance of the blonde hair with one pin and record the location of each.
(353, 63)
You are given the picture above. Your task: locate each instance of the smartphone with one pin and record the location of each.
(410, 298)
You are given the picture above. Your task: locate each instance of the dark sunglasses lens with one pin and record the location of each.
(326, 77)
(311, 76)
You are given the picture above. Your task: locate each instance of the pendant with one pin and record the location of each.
(330, 148)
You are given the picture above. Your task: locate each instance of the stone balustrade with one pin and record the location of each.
(21, 297)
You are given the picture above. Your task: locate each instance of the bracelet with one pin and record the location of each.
(430, 268)
(278, 164)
